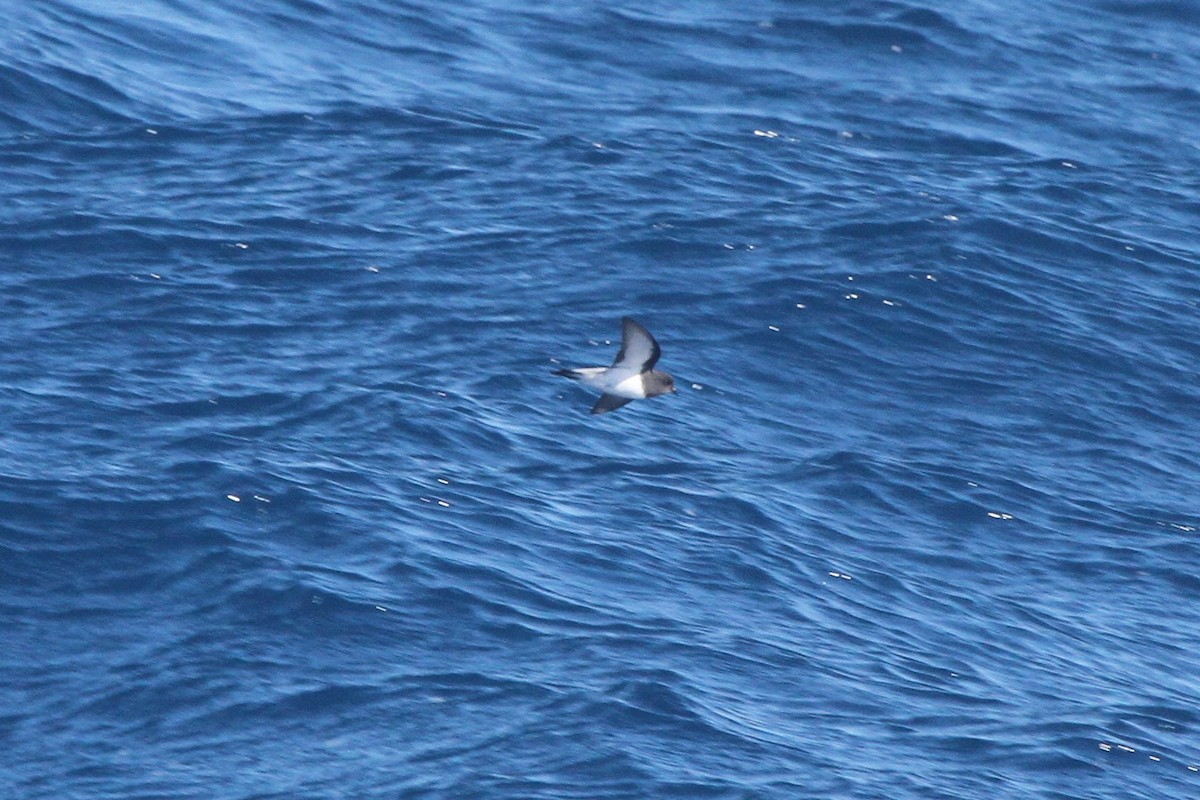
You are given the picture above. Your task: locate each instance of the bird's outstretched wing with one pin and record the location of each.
(609, 402)
(639, 351)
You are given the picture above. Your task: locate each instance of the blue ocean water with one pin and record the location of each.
(291, 505)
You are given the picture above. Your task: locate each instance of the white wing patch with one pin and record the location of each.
(638, 351)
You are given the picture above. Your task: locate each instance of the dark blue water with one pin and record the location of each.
(292, 507)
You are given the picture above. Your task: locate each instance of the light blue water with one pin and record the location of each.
(292, 507)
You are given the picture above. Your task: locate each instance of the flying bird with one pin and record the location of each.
(632, 376)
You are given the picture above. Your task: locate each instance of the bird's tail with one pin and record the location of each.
(568, 373)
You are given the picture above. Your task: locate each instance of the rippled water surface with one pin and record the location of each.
(291, 505)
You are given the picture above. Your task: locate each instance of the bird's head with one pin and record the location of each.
(664, 383)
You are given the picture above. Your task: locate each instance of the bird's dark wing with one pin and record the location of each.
(638, 349)
(609, 402)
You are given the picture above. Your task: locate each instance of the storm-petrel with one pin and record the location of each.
(632, 376)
